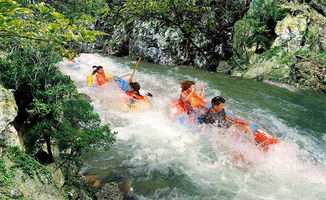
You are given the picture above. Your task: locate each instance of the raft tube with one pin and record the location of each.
(262, 139)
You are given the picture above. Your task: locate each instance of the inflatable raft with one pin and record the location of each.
(125, 87)
(262, 139)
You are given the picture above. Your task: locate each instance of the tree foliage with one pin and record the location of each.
(212, 20)
(41, 24)
(82, 12)
(257, 27)
(50, 110)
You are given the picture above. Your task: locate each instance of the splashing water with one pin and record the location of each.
(168, 161)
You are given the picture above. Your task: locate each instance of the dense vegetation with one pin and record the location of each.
(210, 20)
(51, 112)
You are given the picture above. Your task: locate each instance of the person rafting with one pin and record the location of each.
(216, 115)
(100, 75)
(193, 103)
(134, 92)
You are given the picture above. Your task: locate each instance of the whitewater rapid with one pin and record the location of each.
(168, 161)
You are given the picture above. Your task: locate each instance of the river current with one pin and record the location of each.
(166, 160)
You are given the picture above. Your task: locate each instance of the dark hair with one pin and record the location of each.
(185, 85)
(217, 101)
(136, 87)
(94, 69)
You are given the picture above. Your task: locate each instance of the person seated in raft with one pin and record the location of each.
(134, 93)
(193, 103)
(101, 77)
(216, 115)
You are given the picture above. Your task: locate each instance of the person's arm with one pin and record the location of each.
(185, 97)
(244, 127)
(124, 75)
(202, 91)
(229, 119)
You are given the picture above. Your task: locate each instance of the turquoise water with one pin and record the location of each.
(168, 161)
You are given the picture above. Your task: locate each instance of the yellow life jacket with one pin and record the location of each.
(90, 80)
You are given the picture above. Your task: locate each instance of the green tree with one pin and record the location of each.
(41, 24)
(257, 27)
(50, 109)
(211, 19)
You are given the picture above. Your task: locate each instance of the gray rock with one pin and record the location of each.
(261, 68)
(310, 74)
(8, 111)
(8, 107)
(109, 191)
(303, 30)
(57, 175)
(223, 68)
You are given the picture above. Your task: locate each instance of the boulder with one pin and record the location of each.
(303, 27)
(57, 175)
(310, 74)
(109, 191)
(260, 68)
(8, 107)
(223, 68)
(8, 111)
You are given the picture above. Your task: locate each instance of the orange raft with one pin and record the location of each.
(262, 139)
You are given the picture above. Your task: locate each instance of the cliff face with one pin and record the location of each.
(163, 45)
(14, 182)
(297, 55)
(298, 37)
(8, 112)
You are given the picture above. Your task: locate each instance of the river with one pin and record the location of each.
(168, 161)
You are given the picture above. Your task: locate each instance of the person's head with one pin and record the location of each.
(185, 85)
(218, 103)
(135, 87)
(99, 68)
(94, 69)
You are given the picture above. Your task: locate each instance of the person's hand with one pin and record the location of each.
(192, 88)
(202, 86)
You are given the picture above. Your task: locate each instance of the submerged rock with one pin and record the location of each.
(109, 191)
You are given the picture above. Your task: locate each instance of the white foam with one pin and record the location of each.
(150, 142)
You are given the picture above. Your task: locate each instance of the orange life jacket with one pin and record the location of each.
(195, 100)
(100, 78)
(135, 96)
(178, 108)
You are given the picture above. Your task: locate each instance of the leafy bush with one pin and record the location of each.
(257, 27)
(41, 25)
(50, 109)
(28, 165)
(6, 174)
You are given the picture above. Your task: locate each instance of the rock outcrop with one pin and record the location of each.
(302, 28)
(309, 74)
(8, 111)
(22, 186)
(297, 55)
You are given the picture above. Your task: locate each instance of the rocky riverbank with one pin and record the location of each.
(296, 54)
(23, 177)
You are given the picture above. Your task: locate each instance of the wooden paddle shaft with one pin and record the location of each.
(133, 72)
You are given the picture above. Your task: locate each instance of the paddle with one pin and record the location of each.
(133, 72)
